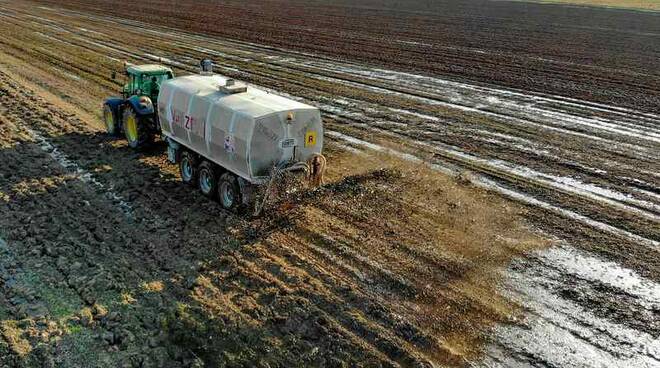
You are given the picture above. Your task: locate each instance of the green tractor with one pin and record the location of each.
(135, 113)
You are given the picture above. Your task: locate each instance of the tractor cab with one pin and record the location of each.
(145, 80)
(133, 113)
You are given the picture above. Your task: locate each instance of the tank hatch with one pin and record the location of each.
(231, 86)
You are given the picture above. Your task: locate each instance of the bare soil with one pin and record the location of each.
(108, 258)
(627, 4)
(105, 257)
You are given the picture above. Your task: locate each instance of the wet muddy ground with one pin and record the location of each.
(97, 225)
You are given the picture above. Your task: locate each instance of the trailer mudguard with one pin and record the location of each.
(141, 104)
(115, 105)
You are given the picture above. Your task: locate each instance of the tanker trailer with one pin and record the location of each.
(228, 138)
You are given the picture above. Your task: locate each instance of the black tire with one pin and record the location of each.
(207, 179)
(188, 168)
(229, 192)
(136, 129)
(110, 121)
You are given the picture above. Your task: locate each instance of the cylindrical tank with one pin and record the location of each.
(246, 130)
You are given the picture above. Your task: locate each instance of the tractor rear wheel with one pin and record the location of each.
(229, 192)
(188, 168)
(207, 179)
(110, 121)
(135, 129)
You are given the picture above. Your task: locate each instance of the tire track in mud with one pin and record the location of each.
(82, 174)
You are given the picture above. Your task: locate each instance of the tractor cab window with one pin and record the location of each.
(151, 84)
(133, 84)
(145, 84)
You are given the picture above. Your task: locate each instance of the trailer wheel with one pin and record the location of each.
(109, 120)
(135, 129)
(188, 168)
(207, 179)
(229, 192)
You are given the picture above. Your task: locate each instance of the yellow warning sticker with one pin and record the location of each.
(310, 138)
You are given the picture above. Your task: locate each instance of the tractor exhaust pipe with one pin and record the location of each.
(206, 67)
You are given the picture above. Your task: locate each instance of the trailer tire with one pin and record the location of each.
(188, 168)
(207, 179)
(136, 129)
(110, 121)
(229, 192)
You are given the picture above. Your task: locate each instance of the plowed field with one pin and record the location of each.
(493, 191)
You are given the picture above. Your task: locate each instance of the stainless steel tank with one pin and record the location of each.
(244, 129)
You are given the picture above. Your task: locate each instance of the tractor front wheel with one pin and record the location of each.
(110, 121)
(135, 129)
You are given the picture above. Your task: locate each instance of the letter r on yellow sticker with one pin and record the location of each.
(310, 138)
